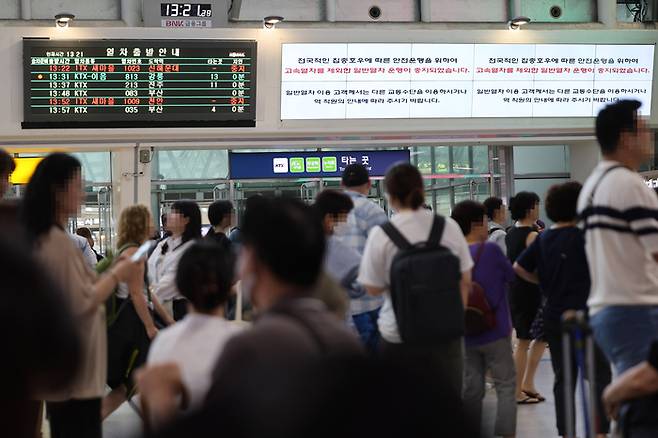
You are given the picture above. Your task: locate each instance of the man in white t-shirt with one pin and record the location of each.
(415, 224)
(620, 216)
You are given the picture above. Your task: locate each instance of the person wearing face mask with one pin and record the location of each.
(53, 195)
(341, 263)
(184, 223)
(365, 216)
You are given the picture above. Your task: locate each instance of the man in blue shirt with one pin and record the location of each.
(365, 216)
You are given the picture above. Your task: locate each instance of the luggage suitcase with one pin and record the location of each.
(576, 330)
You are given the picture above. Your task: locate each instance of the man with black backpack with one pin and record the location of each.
(421, 263)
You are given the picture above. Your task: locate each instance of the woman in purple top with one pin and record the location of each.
(491, 350)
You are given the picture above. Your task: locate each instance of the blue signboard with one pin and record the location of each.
(267, 165)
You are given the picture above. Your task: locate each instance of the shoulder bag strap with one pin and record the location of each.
(587, 212)
(394, 234)
(478, 256)
(438, 226)
(128, 299)
(590, 201)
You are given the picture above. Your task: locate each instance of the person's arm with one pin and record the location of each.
(161, 311)
(162, 393)
(531, 238)
(122, 271)
(136, 290)
(639, 381)
(530, 277)
(465, 286)
(372, 272)
(526, 265)
(374, 290)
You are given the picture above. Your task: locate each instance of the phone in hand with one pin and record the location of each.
(142, 251)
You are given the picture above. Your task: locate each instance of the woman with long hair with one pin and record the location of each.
(53, 195)
(133, 325)
(184, 223)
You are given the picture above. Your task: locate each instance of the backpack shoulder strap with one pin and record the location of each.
(436, 234)
(394, 234)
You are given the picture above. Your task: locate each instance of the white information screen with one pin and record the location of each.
(408, 81)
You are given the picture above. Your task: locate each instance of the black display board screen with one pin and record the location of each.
(139, 83)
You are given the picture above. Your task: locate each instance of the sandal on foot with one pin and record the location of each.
(527, 401)
(535, 395)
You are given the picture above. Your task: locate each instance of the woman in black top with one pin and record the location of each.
(557, 262)
(525, 298)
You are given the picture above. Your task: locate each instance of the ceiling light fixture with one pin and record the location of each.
(271, 21)
(64, 19)
(516, 23)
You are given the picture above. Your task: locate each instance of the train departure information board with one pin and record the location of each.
(139, 83)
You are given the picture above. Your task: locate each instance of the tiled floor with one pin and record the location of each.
(534, 421)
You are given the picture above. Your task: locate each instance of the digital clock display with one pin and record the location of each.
(203, 10)
(139, 83)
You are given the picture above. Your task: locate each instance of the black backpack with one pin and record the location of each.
(425, 288)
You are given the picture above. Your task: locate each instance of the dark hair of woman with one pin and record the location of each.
(205, 275)
(39, 207)
(562, 201)
(189, 210)
(466, 213)
(521, 204)
(404, 183)
(492, 204)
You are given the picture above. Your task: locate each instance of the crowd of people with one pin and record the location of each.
(363, 322)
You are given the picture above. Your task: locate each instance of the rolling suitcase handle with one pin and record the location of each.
(576, 328)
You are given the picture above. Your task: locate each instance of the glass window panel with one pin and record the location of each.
(443, 202)
(96, 166)
(480, 159)
(423, 158)
(541, 159)
(191, 164)
(540, 187)
(441, 159)
(460, 160)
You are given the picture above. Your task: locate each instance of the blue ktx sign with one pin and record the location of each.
(268, 165)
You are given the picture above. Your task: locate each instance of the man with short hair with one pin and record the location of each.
(620, 216)
(497, 214)
(365, 216)
(219, 215)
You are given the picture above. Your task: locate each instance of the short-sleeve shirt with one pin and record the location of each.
(494, 273)
(375, 270)
(497, 235)
(365, 216)
(195, 343)
(621, 236)
(558, 257)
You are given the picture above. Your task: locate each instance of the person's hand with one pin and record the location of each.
(125, 269)
(152, 332)
(610, 405)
